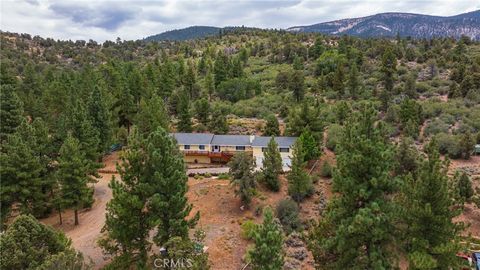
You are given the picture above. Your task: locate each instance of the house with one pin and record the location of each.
(476, 151)
(260, 143)
(208, 148)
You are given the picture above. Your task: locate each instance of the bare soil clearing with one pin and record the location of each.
(221, 215)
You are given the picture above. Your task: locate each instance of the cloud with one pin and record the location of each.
(107, 19)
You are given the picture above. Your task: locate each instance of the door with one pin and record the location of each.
(216, 148)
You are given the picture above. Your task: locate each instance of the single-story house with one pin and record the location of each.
(210, 148)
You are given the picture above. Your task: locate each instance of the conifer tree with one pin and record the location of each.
(309, 146)
(299, 182)
(80, 126)
(464, 187)
(237, 68)
(183, 111)
(164, 169)
(241, 169)
(388, 68)
(167, 79)
(296, 85)
(100, 118)
(338, 83)
(202, 110)
(431, 237)
(272, 127)
(357, 229)
(220, 69)
(191, 80)
(126, 223)
(29, 244)
(353, 81)
(152, 114)
(268, 253)
(11, 111)
(74, 176)
(406, 158)
(209, 84)
(218, 122)
(410, 88)
(20, 171)
(272, 166)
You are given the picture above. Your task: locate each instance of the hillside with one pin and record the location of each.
(405, 24)
(191, 32)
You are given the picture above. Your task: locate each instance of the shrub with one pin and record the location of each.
(287, 212)
(333, 137)
(248, 229)
(326, 170)
(435, 127)
(224, 176)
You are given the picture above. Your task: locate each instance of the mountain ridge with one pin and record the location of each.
(386, 24)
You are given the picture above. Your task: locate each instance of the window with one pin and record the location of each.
(284, 150)
(201, 147)
(240, 148)
(264, 149)
(186, 147)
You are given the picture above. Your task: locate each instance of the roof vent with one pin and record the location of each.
(252, 137)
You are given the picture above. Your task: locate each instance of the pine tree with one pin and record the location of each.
(467, 144)
(241, 169)
(202, 110)
(353, 80)
(183, 111)
(164, 170)
(81, 128)
(191, 80)
(220, 69)
(21, 172)
(74, 176)
(410, 88)
(29, 244)
(406, 158)
(272, 166)
(464, 186)
(11, 111)
(126, 223)
(167, 79)
(100, 119)
(209, 84)
(357, 229)
(431, 235)
(272, 127)
(297, 63)
(296, 85)
(268, 251)
(338, 83)
(309, 146)
(237, 68)
(152, 114)
(218, 122)
(299, 182)
(388, 68)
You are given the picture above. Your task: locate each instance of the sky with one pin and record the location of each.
(102, 20)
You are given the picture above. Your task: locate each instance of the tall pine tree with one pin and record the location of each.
(357, 229)
(272, 165)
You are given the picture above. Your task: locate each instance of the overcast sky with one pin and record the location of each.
(101, 20)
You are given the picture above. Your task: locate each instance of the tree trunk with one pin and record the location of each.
(76, 217)
(60, 215)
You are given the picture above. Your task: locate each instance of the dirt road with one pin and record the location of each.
(84, 236)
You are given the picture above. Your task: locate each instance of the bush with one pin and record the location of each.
(287, 212)
(435, 127)
(224, 176)
(449, 145)
(326, 170)
(248, 229)
(334, 135)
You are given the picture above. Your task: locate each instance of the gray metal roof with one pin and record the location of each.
(262, 141)
(193, 138)
(231, 140)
